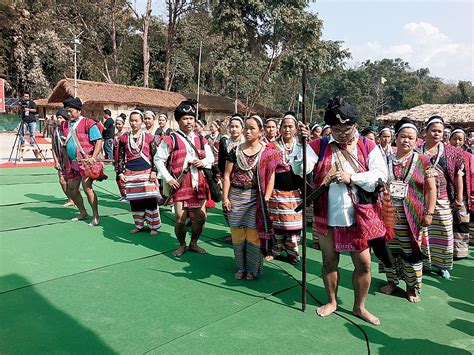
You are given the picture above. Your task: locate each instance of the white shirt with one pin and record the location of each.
(340, 208)
(163, 152)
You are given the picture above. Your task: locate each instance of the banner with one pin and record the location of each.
(2, 95)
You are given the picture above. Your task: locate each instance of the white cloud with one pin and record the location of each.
(424, 45)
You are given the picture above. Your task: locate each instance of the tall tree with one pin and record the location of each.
(275, 33)
(176, 9)
(145, 24)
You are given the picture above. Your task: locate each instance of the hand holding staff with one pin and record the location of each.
(175, 184)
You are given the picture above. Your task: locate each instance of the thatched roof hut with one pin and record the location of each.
(92, 92)
(214, 106)
(453, 114)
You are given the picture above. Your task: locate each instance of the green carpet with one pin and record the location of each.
(66, 287)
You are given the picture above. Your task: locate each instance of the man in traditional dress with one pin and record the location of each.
(83, 141)
(349, 166)
(186, 154)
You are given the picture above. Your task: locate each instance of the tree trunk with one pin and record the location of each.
(146, 48)
(114, 42)
(169, 42)
(272, 63)
(176, 8)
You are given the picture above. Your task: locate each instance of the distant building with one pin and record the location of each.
(97, 96)
(214, 107)
(117, 98)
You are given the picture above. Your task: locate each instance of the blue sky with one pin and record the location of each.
(434, 34)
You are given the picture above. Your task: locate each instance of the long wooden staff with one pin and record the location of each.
(303, 146)
(180, 180)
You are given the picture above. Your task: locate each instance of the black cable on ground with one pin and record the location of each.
(284, 290)
(168, 251)
(29, 183)
(48, 174)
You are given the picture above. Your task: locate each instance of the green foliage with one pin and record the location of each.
(252, 49)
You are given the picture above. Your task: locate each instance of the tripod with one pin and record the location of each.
(18, 140)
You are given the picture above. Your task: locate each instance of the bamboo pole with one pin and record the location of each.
(303, 239)
(199, 81)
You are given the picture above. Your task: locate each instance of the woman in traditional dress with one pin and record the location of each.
(248, 183)
(385, 141)
(163, 129)
(228, 142)
(119, 130)
(316, 131)
(59, 155)
(149, 121)
(138, 172)
(369, 133)
(271, 129)
(213, 139)
(326, 132)
(199, 127)
(447, 161)
(461, 217)
(286, 196)
(413, 192)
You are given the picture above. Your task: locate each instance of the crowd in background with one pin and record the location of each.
(404, 194)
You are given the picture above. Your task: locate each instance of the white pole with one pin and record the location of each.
(75, 66)
(76, 42)
(199, 81)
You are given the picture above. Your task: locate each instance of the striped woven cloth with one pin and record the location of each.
(282, 206)
(138, 185)
(243, 208)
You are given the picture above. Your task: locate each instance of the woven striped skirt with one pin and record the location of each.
(248, 256)
(461, 234)
(138, 185)
(281, 208)
(400, 247)
(441, 237)
(243, 208)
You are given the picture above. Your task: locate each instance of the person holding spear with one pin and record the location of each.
(180, 150)
(335, 161)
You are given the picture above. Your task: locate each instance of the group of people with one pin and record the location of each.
(402, 194)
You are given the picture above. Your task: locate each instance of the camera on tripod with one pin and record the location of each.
(23, 106)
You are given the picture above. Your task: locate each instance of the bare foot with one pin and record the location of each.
(268, 258)
(239, 275)
(180, 251)
(95, 222)
(412, 296)
(326, 310)
(366, 315)
(135, 230)
(196, 248)
(250, 276)
(69, 203)
(153, 232)
(80, 217)
(388, 288)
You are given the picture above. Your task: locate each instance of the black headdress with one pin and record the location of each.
(339, 111)
(73, 102)
(185, 108)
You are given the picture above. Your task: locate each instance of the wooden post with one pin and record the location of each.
(303, 239)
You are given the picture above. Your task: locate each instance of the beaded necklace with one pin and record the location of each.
(243, 163)
(136, 146)
(286, 151)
